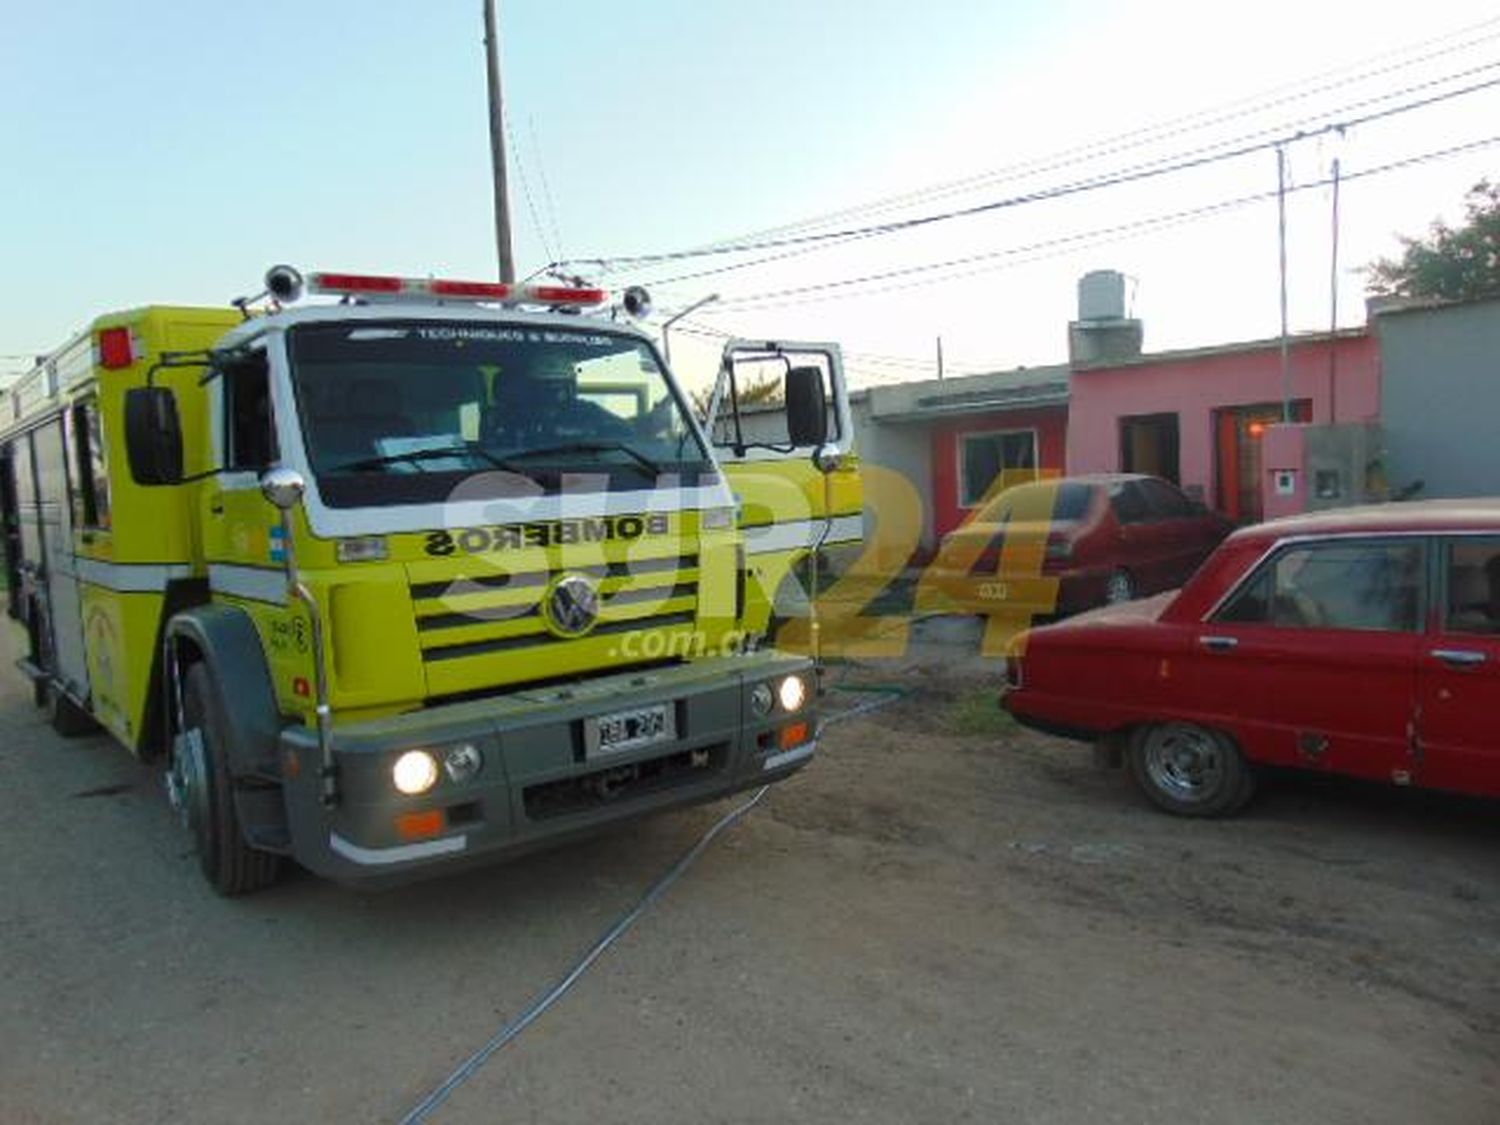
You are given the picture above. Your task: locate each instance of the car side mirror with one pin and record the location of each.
(153, 436)
(806, 406)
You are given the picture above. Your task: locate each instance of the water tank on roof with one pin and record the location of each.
(1101, 295)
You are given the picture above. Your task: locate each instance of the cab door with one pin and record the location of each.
(1458, 685)
(787, 505)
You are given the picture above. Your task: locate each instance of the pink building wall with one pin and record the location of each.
(1193, 384)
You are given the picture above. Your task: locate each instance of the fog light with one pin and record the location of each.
(792, 693)
(415, 772)
(463, 761)
(761, 699)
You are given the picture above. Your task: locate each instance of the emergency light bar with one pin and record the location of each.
(373, 285)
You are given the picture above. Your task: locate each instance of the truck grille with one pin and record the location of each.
(491, 613)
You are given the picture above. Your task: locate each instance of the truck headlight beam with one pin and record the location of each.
(415, 772)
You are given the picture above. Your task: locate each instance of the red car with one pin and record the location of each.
(1104, 538)
(1364, 641)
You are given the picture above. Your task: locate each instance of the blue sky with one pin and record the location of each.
(169, 152)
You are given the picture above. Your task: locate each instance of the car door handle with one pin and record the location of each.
(1460, 657)
(1219, 644)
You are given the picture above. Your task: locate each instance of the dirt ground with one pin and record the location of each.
(941, 919)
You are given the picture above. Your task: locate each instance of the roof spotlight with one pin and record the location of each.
(637, 302)
(284, 283)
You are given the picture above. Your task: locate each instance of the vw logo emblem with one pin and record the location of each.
(572, 605)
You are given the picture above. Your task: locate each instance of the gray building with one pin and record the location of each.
(1440, 394)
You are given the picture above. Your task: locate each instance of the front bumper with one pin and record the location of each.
(539, 785)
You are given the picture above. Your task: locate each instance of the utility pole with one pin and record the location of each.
(497, 146)
(940, 357)
(1333, 305)
(1286, 366)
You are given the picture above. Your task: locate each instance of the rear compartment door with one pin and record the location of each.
(55, 523)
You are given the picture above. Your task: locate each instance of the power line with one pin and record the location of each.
(1189, 123)
(1135, 175)
(1281, 130)
(1097, 236)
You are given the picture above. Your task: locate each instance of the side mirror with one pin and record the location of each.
(806, 406)
(283, 488)
(153, 435)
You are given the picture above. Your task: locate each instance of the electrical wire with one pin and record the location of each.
(1150, 134)
(1097, 236)
(538, 1007)
(1151, 170)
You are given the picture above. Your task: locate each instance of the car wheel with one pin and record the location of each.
(1190, 770)
(1120, 588)
(199, 787)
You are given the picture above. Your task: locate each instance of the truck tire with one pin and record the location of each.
(199, 778)
(1190, 770)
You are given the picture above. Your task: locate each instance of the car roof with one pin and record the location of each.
(1433, 516)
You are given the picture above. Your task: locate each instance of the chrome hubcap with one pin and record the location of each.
(187, 781)
(1119, 588)
(1184, 761)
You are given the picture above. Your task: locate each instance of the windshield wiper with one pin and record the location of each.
(411, 456)
(655, 468)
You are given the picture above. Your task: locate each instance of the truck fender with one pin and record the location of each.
(225, 639)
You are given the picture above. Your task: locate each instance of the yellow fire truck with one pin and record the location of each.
(402, 574)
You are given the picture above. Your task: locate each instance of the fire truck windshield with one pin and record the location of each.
(400, 411)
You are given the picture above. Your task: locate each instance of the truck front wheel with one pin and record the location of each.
(200, 786)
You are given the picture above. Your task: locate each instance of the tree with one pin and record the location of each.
(1453, 263)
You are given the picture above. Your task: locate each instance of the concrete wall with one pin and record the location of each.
(1193, 384)
(901, 449)
(1441, 397)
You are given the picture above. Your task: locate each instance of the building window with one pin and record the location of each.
(983, 458)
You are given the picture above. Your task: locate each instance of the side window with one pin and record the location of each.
(1368, 584)
(89, 466)
(1473, 587)
(1129, 503)
(249, 430)
(1164, 502)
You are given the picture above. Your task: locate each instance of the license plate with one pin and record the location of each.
(625, 730)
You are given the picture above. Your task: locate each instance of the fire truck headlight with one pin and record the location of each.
(415, 772)
(462, 762)
(762, 699)
(792, 693)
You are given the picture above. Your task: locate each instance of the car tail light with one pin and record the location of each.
(1059, 547)
(1013, 674)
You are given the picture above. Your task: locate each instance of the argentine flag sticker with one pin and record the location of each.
(278, 544)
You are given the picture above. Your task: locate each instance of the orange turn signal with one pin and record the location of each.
(793, 735)
(419, 825)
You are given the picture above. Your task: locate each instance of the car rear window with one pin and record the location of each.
(1070, 502)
